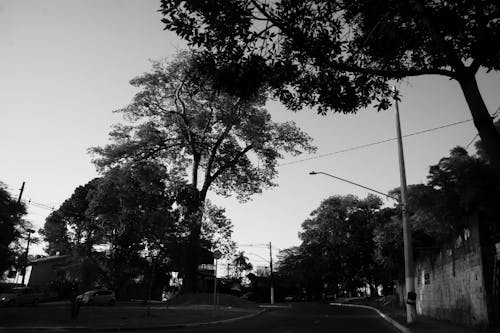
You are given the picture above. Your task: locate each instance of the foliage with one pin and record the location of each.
(128, 214)
(349, 242)
(132, 207)
(337, 246)
(216, 229)
(11, 227)
(459, 187)
(241, 264)
(342, 55)
(226, 144)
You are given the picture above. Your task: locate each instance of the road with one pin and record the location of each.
(305, 317)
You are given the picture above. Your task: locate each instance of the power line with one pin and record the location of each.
(477, 134)
(38, 205)
(252, 245)
(471, 141)
(375, 143)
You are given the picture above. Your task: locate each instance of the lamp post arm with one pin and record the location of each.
(356, 184)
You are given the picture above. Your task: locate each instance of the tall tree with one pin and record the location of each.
(338, 237)
(226, 144)
(11, 227)
(342, 55)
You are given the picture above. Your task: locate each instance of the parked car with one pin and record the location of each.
(21, 296)
(101, 296)
(294, 298)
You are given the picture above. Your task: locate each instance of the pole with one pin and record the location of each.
(215, 286)
(20, 194)
(411, 311)
(25, 263)
(271, 272)
(150, 286)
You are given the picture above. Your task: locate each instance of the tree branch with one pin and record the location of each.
(474, 67)
(393, 73)
(357, 69)
(209, 179)
(455, 61)
(214, 150)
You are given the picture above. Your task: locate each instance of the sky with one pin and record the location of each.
(65, 66)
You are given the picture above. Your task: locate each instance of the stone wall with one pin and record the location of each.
(450, 284)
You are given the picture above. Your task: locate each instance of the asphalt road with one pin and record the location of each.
(305, 317)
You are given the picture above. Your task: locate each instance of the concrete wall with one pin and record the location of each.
(450, 284)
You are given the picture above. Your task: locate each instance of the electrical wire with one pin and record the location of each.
(375, 143)
(477, 134)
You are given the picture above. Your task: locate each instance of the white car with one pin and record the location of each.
(101, 296)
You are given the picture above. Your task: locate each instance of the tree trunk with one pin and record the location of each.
(482, 119)
(193, 217)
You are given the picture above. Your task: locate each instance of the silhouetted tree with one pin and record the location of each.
(11, 228)
(337, 242)
(342, 55)
(227, 144)
(241, 264)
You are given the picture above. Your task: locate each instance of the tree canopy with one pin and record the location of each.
(349, 242)
(206, 137)
(112, 221)
(343, 55)
(11, 227)
(337, 241)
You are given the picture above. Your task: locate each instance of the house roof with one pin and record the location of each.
(50, 258)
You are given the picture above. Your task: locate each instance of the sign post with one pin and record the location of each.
(217, 256)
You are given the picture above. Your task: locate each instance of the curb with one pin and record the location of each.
(400, 327)
(118, 329)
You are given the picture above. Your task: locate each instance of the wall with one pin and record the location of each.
(450, 284)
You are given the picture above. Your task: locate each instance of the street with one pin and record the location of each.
(305, 317)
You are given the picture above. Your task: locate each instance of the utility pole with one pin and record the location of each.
(25, 263)
(411, 298)
(20, 194)
(271, 272)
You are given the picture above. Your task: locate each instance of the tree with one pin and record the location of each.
(459, 187)
(11, 227)
(229, 145)
(241, 264)
(216, 229)
(342, 55)
(132, 208)
(338, 242)
(55, 234)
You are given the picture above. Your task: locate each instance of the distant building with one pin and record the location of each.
(262, 271)
(48, 269)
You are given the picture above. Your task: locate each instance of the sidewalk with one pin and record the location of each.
(113, 318)
(397, 316)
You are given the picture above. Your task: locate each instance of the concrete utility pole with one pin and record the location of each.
(271, 272)
(411, 298)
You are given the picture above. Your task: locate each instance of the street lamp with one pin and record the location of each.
(408, 255)
(25, 263)
(353, 183)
